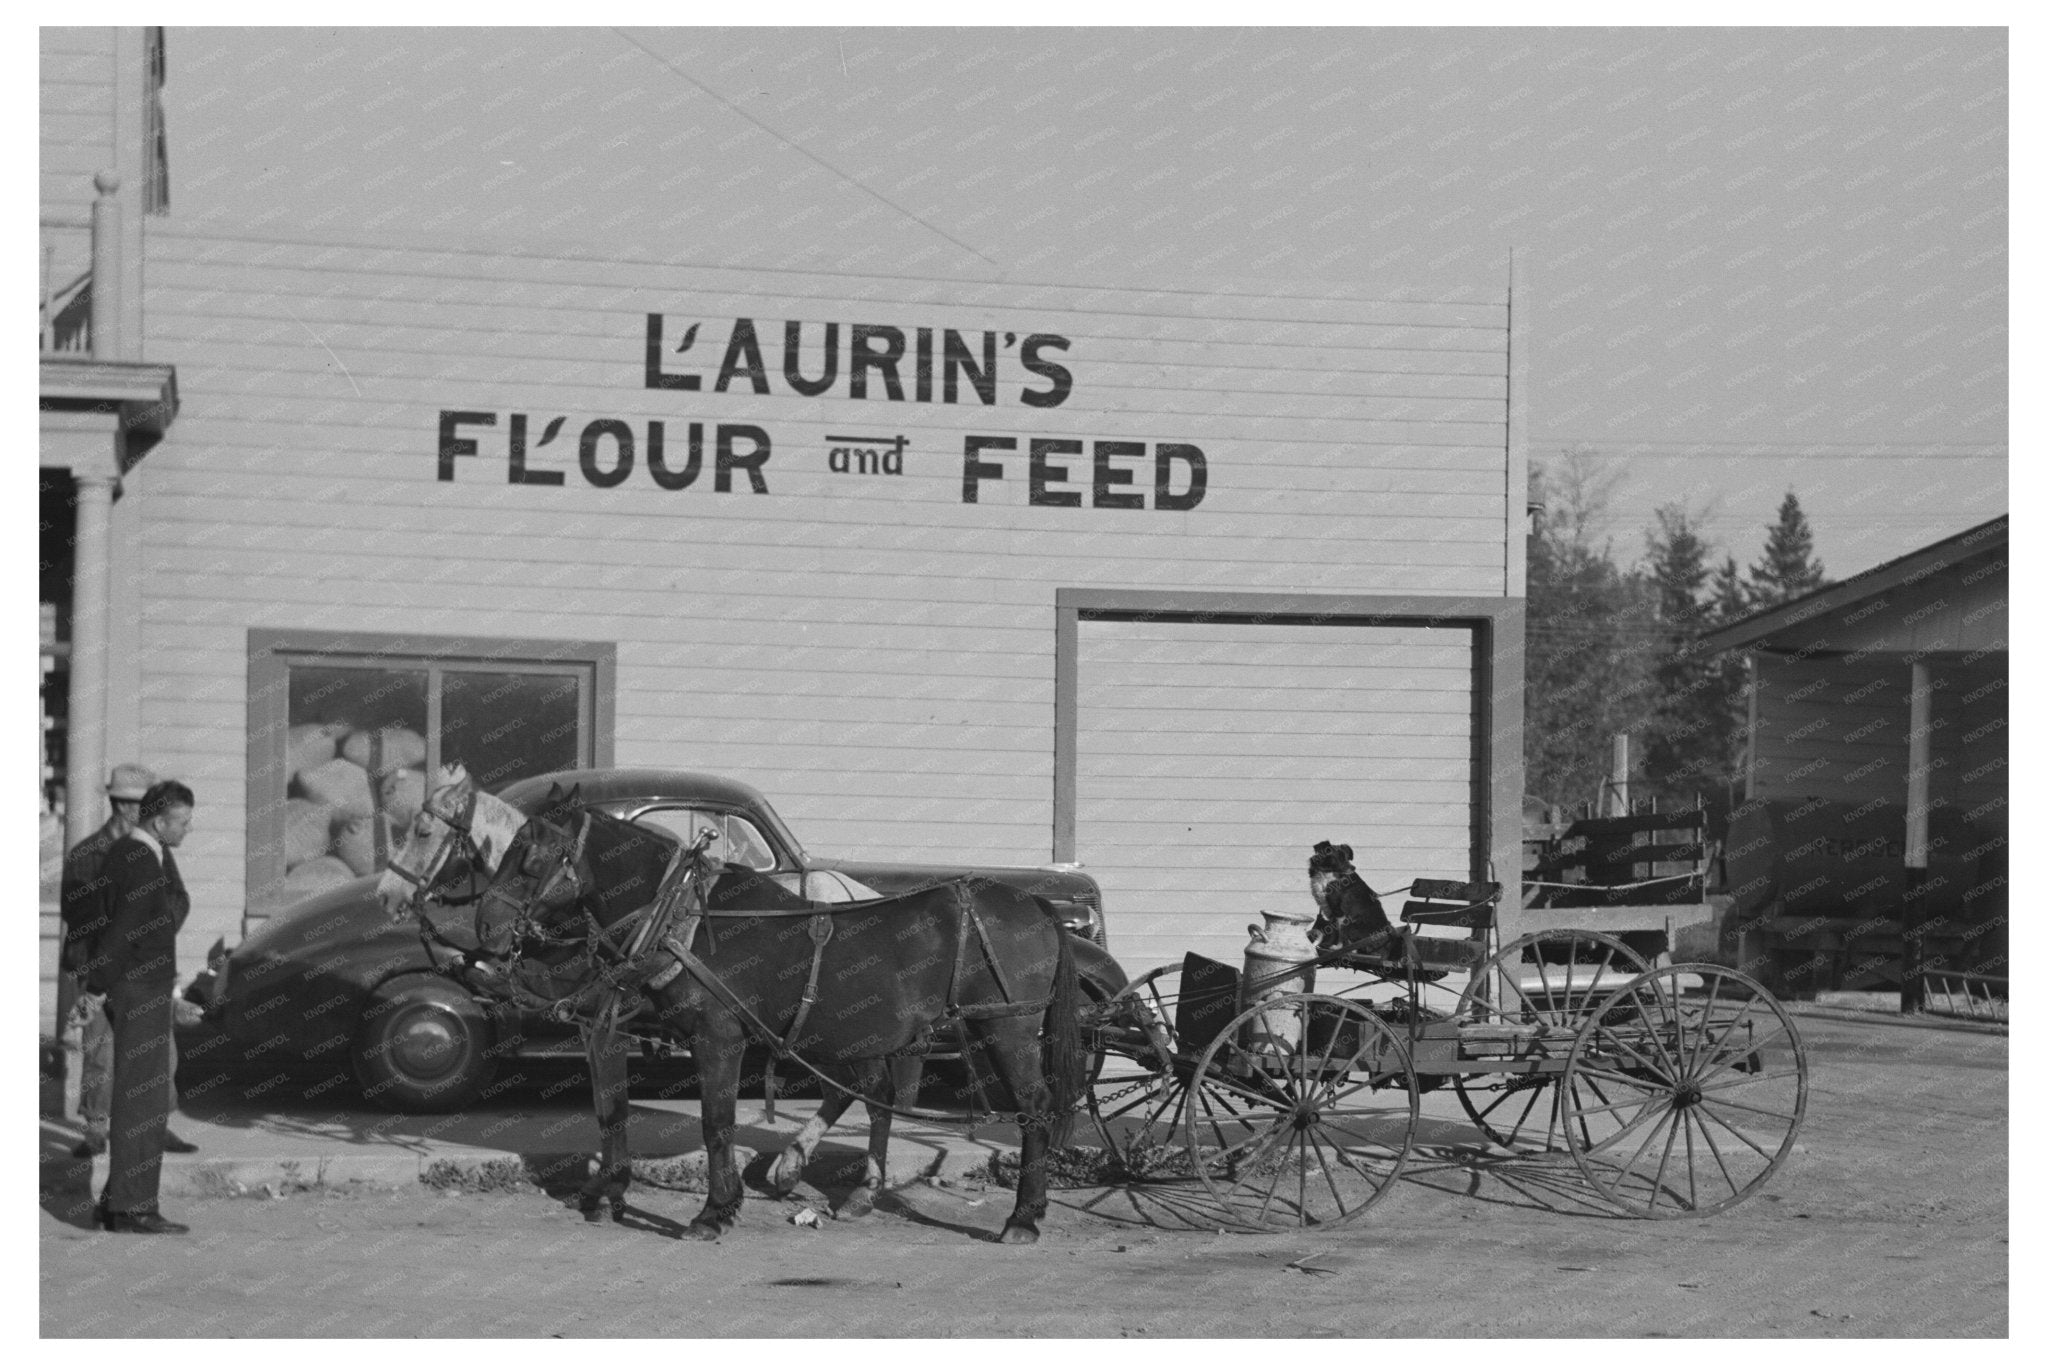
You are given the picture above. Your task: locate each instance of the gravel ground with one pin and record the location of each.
(1890, 1222)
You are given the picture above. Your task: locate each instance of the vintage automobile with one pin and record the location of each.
(332, 979)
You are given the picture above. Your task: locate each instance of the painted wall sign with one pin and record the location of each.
(880, 364)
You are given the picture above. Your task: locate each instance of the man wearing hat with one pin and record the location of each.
(85, 908)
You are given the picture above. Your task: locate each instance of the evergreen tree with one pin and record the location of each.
(1788, 568)
(1727, 598)
(1690, 737)
(1728, 601)
(1591, 639)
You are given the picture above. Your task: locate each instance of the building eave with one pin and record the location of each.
(1904, 571)
(144, 396)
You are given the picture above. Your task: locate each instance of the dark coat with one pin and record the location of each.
(147, 907)
(86, 904)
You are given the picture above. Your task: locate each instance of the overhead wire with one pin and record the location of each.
(802, 150)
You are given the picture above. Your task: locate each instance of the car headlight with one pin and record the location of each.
(1082, 915)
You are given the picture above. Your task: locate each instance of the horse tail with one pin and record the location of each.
(1064, 1059)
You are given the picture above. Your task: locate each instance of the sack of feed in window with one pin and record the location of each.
(386, 750)
(311, 878)
(306, 826)
(355, 843)
(308, 746)
(402, 793)
(340, 784)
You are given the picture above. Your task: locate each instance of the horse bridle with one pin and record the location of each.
(546, 889)
(523, 923)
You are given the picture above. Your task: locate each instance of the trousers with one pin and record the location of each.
(141, 1017)
(96, 1066)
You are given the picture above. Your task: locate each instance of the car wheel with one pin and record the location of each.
(423, 1046)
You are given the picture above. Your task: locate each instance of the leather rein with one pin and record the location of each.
(622, 962)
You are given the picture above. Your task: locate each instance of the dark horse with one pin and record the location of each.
(600, 908)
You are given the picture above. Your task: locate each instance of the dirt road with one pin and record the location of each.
(1890, 1222)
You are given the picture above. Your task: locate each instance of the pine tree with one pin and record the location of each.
(1727, 598)
(1788, 568)
(1591, 638)
(1689, 739)
(1729, 601)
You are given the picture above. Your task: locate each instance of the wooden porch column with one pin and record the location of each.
(106, 270)
(85, 773)
(1919, 744)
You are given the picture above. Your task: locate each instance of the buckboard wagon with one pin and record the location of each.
(1677, 1091)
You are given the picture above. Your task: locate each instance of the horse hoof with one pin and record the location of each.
(618, 1210)
(1018, 1235)
(859, 1204)
(702, 1232)
(784, 1175)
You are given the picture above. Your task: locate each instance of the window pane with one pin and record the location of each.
(505, 726)
(684, 824)
(745, 846)
(355, 763)
(738, 841)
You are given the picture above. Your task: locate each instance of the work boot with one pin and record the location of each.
(150, 1222)
(93, 1144)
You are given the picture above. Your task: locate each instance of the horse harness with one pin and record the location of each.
(676, 945)
(668, 925)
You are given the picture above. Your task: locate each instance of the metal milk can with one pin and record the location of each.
(1278, 962)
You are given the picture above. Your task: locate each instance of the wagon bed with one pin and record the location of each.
(1676, 1091)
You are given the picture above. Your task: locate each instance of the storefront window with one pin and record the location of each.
(506, 725)
(339, 768)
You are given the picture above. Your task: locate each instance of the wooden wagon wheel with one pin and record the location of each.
(1140, 1080)
(1523, 1111)
(1304, 1113)
(1686, 1096)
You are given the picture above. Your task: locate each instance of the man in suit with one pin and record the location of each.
(85, 911)
(135, 963)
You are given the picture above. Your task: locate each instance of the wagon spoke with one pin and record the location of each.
(1644, 1145)
(1601, 1073)
(1600, 966)
(1366, 1083)
(1732, 1026)
(1609, 1035)
(1750, 1051)
(1349, 1156)
(1664, 1161)
(1161, 1098)
(1692, 1186)
(1213, 1080)
(1715, 1148)
(1705, 1113)
(1272, 1187)
(1779, 1076)
(1674, 1013)
(1649, 1113)
(1323, 1165)
(1706, 1027)
(1560, 1121)
(1585, 1109)
(1534, 1094)
(1543, 976)
(1778, 1114)
(1207, 1103)
(1260, 1135)
(1301, 1174)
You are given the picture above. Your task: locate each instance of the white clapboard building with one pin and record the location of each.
(1170, 582)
